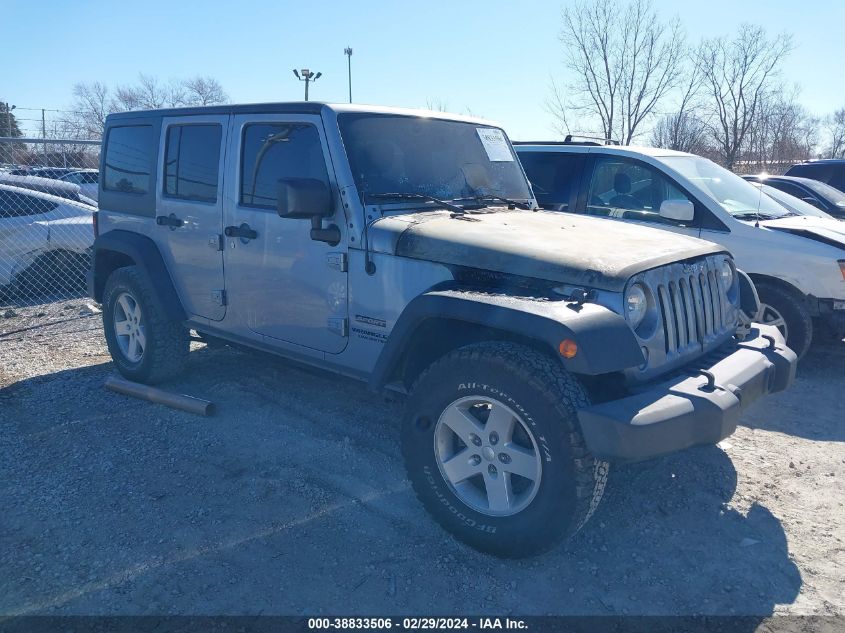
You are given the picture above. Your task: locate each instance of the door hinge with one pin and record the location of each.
(218, 297)
(216, 242)
(339, 325)
(337, 261)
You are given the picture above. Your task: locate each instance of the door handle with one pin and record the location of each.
(169, 220)
(243, 231)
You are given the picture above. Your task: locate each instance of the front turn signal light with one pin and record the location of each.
(842, 268)
(568, 348)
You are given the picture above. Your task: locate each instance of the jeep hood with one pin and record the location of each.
(824, 230)
(561, 247)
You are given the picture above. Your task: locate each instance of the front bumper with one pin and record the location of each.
(687, 411)
(832, 315)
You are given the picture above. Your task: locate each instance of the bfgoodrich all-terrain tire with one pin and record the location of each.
(786, 311)
(145, 345)
(493, 449)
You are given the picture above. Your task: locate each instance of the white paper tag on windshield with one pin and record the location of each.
(495, 144)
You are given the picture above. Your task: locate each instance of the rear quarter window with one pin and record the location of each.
(128, 159)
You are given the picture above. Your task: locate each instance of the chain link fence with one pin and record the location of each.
(48, 193)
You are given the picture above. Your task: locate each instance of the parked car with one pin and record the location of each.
(822, 196)
(88, 181)
(404, 249)
(67, 190)
(790, 202)
(797, 263)
(828, 170)
(34, 225)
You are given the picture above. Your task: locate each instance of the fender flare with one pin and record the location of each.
(605, 341)
(144, 252)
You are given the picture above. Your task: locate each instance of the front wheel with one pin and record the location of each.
(493, 449)
(786, 311)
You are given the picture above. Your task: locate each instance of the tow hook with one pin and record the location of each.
(711, 381)
(711, 385)
(772, 342)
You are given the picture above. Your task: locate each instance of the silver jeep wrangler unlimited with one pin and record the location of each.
(406, 249)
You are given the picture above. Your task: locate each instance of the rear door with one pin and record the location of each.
(554, 177)
(189, 210)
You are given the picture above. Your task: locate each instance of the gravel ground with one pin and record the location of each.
(292, 500)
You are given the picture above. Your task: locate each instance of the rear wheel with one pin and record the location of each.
(786, 311)
(494, 452)
(145, 345)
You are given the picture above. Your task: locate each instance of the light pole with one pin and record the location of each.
(348, 52)
(307, 76)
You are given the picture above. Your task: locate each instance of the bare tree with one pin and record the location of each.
(782, 133)
(93, 104)
(835, 128)
(437, 105)
(738, 73)
(94, 101)
(624, 61)
(684, 130)
(203, 91)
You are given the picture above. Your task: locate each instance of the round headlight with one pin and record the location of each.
(636, 305)
(726, 273)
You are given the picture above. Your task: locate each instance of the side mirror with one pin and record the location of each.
(302, 198)
(678, 210)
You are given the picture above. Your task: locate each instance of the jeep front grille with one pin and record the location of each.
(693, 306)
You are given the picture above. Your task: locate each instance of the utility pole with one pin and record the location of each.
(307, 76)
(44, 134)
(9, 116)
(348, 52)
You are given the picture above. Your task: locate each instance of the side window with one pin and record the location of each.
(129, 151)
(553, 177)
(837, 177)
(16, 205)
(791, 189)
(811, 170)
(191, 161)
(271, 151)
(630, 190)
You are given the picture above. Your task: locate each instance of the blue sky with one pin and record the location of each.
(492, 58)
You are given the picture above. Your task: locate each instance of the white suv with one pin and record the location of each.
(797, 262)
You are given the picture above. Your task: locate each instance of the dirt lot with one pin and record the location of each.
(292, 500)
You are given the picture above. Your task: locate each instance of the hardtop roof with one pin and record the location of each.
(293, 107)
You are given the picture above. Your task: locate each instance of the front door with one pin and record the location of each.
(189, 210)
(630, 190)
(280, 283)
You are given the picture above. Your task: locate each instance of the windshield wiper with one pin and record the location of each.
(507, 201)
(417, 196)
(753, 215)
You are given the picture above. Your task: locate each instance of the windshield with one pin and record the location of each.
(736, 196)
(831, 194)
(449, 160)
(792, 203)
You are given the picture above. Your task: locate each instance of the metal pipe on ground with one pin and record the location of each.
(159, 396)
